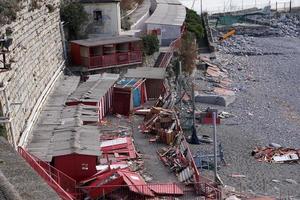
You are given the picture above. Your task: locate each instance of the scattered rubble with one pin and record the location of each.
(291, 181)
(276, 155)
(214, 85)
(162, 121)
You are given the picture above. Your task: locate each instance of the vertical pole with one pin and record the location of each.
(215, 146)
(4, 60)
(290, 5)
(276, 6)
(179, 82)
(63, 41)
(242, 4)
(193, 100)
(201, 9)
(8, 111)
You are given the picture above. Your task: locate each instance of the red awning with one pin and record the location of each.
(136, 183)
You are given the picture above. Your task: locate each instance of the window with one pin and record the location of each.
(98, 16)
(84, 166)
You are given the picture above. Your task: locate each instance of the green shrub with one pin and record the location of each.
(150, 44)
(188, 52)
(194, 23)
(8, 11)
(73, 14)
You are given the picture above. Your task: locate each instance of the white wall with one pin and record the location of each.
(111, 25)
(168, 32)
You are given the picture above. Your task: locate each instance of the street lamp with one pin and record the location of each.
(201, 7)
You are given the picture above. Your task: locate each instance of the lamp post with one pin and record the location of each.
(201, 7)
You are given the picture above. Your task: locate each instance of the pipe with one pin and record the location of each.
(180, 81)
(11, 127)
(215, 146)
(38, 106)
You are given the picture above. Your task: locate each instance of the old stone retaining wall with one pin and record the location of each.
(36, 54)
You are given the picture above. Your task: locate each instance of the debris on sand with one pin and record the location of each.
(276, 155)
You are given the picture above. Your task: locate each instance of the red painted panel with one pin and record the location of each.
(76, 166)
(121, 101)
(75, 54)
(154, 88)
(135, 182)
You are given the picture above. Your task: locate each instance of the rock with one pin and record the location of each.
(215, 99)
(274, 145)
(228, 189)
(291, 181)
(275, 181)
(233, 197)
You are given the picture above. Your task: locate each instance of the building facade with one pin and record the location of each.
(104, 18)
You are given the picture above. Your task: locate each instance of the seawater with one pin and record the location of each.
(213, 6)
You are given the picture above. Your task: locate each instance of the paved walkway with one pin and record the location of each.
(139, 13)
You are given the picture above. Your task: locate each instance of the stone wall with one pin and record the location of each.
(36, 55)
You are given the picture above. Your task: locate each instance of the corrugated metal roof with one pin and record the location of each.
(176, 2)
(168, 14)
(68, 135)
(105, 41)
(60, 129)
(146, 72)
(94, 88)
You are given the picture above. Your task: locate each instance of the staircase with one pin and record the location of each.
(159, 59)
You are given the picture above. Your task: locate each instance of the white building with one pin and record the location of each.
(166, 21)
(104, 18)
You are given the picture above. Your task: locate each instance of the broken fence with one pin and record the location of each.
(169, 54)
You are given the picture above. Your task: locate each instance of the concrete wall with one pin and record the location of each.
(111, 19)
(168, 32)
(37, 53)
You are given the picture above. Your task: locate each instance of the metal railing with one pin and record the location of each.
(169, 54)
(168, 191)
(63, 185)
(111, 60)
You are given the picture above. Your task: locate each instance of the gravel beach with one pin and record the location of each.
(267, 110)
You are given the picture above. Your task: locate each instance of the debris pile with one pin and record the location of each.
(162, 120)
(276, 155)
(175, 157)
(214, 85)
(117, 183)
(121, 170)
